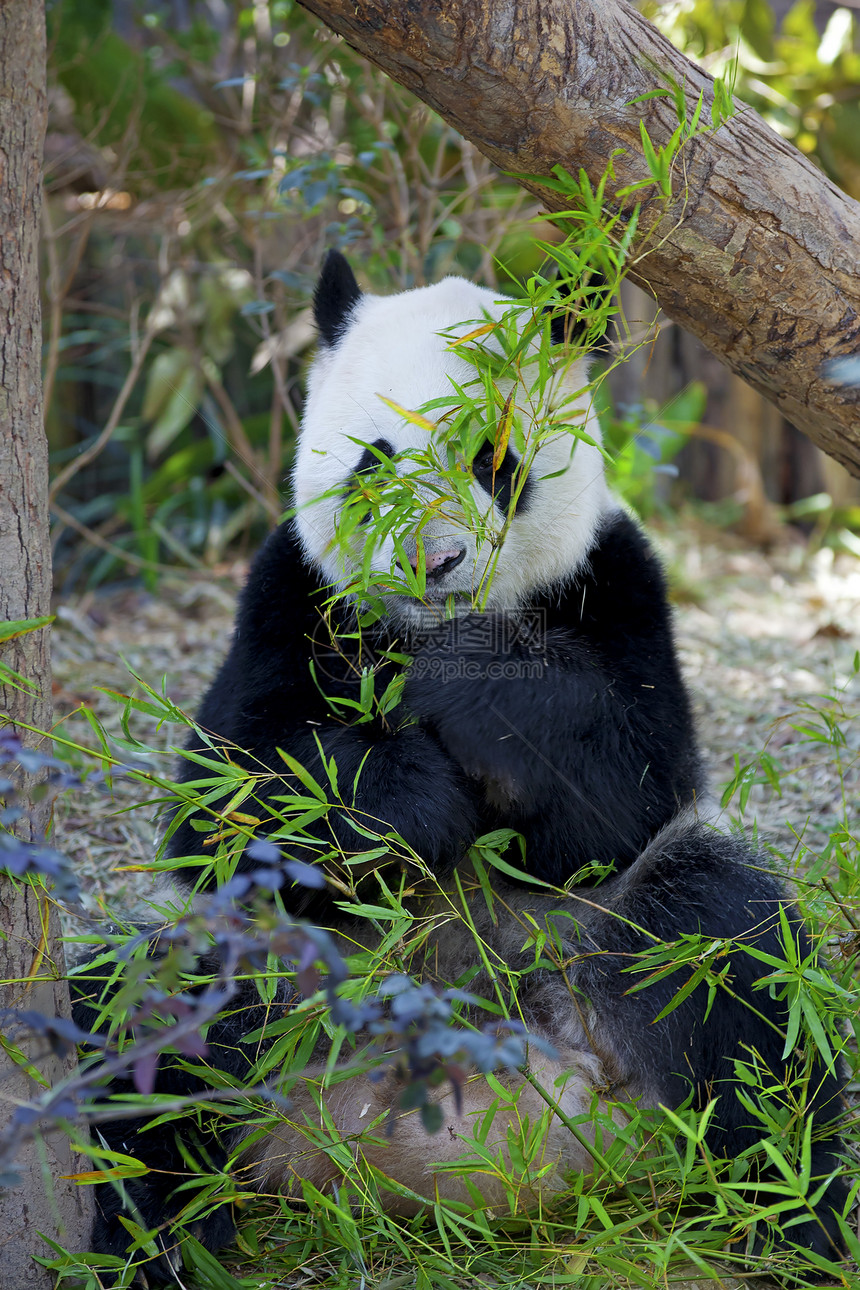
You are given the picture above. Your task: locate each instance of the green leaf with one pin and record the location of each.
(22, 627)
(173, 391)
(651, 159)
(432, 1117)
(304, 776)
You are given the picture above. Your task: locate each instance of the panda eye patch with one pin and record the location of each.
(500, 485)
(369, 460)
(484, 458)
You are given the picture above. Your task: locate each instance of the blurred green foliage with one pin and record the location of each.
(202, 156)
(644, 440)
(121, 92)
(802, 74)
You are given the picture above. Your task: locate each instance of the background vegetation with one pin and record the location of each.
(201, 157)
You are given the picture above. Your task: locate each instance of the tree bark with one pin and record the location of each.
(32, 967)
(757, 253)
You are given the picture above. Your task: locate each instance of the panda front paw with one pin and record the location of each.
(405, 783)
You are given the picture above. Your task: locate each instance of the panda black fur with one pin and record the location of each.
(585, 746)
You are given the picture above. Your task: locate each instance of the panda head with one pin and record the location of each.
(499, 535)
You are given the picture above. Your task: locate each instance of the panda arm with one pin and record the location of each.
(264, 699)
(552, 750)
(580, 733)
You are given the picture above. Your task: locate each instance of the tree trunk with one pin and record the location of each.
(757, 253)
(32, 969)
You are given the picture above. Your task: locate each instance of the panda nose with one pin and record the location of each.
(438, 563)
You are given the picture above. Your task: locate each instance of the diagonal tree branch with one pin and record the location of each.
(757, 253)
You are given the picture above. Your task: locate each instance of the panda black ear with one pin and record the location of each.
(336, 295)
(568, 325)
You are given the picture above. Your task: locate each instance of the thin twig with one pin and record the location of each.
(272, 507)
(89, 454)
(57, 295)
(241, 445)
(103, 544)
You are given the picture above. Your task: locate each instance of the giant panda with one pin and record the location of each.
(550, 704)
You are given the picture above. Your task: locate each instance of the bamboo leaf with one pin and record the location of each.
(414, 418)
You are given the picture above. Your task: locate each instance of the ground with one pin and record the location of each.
(761, 635)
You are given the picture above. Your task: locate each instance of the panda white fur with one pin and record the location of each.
(582, 742)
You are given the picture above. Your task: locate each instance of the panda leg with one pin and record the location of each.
(155, 1200)
(413, 1166)
(152, 1201)
(692, 880)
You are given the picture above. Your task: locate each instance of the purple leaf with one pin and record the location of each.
(306, 875)
(264, 851)
(144, 1072)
